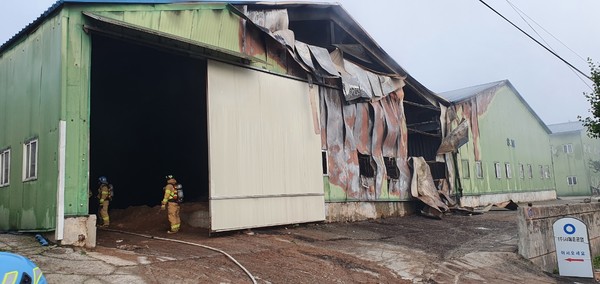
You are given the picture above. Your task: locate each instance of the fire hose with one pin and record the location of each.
(187, 243)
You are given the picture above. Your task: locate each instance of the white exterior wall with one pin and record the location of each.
(265, 157)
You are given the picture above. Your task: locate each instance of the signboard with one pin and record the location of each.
(572, 248)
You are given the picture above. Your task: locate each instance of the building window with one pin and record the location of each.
(498, 168)
(30, 163)
(521, 171)
(4, 167)
(391, 168)
(508, 170)
(478, 169)
(547, 172)
(364, 164)
(568, 148)
(542, 175)
(465, 169)
(572, 180)
(325, 162)
(530, 170)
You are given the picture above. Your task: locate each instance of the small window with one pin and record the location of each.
(364, 163)
(530, 170)
(547, 171)
(391, 168)
(465, 169)
(4, 167)
(325, 163)
(572, 180)
(521, 171)
(30, 156)
(568, 148)
(498, 168)
(508, 170)
(542, 175)
(478, 169)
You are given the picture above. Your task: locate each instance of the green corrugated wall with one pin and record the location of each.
(30, 76)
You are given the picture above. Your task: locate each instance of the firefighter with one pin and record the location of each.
(171, 202)
(104, 196)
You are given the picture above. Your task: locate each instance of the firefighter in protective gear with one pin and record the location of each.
(104, 197)
(171, 203)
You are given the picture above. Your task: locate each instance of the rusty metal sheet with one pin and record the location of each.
(321, 55)
(387, 85)
(377, 144)
(456, 138)
(286, 37)
(423, 187)
(273, 20)
(397, 98)
(335, 138)
(368, 188)
(351, 156)
(355, 82)
(304, 53)
(376, 88)
(362, 129)
(390, 142)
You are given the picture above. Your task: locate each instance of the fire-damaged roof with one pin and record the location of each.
(463, 94)
(354, 42)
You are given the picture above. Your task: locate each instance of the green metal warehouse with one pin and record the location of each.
(507, 156)
(265, 120)
(576, 159)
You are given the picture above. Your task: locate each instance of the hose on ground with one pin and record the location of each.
(187, 243)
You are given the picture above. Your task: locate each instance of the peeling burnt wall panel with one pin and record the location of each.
(350, 154)
(362, 129)
(377, 145)
(338, 175)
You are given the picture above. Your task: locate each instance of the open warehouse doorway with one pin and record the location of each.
(148, 119)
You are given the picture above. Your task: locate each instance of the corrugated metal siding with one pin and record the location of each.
(265, 158)
(30, 84)
(209, 24)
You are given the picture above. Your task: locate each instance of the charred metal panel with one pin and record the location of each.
(335, 138)
(362, 129)
(350, 154)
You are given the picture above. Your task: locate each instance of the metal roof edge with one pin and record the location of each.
(510, 85)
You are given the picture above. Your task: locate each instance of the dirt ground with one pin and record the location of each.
(457, 249)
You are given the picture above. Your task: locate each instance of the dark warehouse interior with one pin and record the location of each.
(147, 120)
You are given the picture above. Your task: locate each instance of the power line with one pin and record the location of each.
(539, 43)
(521, 13)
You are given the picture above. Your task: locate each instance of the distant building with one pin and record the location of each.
(574, 155)
(507, 153)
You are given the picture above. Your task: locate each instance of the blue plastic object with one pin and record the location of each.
(41, 239)
(15, 268)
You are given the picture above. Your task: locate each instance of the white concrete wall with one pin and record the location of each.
(80, 231)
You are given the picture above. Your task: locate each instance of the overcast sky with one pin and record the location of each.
(448, 45)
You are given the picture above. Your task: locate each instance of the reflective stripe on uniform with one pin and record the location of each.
(176, 226)
(10, 277)
(37, 275)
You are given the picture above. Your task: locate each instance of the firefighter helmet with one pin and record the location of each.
(103, 179)
(18, 269)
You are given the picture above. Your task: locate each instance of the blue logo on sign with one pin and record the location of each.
(569, 229)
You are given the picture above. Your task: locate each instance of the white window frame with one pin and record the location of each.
(326, 160)
(568, 148)
(508, 169)
(542, 174)
(466, 172)
(498, 169)
(571, 180)
(478, 169)
(5, 167)
(30, 162)
(521, 171)
(547, 172)
(530, 170)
